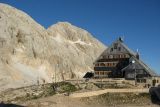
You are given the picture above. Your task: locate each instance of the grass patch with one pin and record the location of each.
(63, 87)
(111, 99)
(38, 91)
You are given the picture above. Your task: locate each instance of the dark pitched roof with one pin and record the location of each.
(129, 50)
(88, 75)
(139, 65)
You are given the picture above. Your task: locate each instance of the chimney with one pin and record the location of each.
(137, 55)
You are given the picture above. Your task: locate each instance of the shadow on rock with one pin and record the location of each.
(155, 95)
(10, 105)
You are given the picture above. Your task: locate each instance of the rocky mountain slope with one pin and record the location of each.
(31, 54)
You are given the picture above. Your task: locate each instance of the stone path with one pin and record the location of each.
(99, 92)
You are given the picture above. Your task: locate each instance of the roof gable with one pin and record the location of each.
(117, 47)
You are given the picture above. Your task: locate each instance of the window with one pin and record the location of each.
(115, 56)
(102, 64)
(108, 64)
(143, 81)
(119, 48)
(141, 71)
(123, 56)
(111, 56)
(101, 73)
(138, 80)
(111, 49)
(97, 73)
(105, 56)
(114, 64)
(105, 73)
(126, 56)
(96, 64)
(115, 46)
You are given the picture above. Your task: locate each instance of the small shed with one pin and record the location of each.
(89, 75)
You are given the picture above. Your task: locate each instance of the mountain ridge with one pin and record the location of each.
(31, 54)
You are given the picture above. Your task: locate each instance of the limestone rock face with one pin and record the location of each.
(31, 54)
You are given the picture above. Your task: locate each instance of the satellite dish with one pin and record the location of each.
(133, 61)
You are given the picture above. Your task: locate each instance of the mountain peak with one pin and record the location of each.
(61, 24)
(30, 53)
(69, 31)
(5, 5)
(64, 23)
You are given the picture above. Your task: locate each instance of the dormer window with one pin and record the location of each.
(111, 49)
(115, 46)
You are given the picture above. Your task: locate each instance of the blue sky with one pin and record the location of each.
(138, 21)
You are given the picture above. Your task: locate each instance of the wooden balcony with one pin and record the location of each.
(104, 68)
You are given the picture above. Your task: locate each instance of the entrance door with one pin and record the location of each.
(154, 82)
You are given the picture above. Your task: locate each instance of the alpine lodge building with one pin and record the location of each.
(118, 61)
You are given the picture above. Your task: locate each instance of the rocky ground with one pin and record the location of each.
(47, 96)
(36, 91)
(119, 100)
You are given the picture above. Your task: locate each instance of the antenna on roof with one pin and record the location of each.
(120, 39)
(137, 50)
